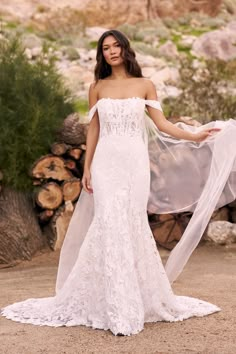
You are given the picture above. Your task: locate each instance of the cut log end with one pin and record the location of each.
(50, 166)
(49, 196)
(59, 149)
(71, 189)
(45, 215)
(75, 153)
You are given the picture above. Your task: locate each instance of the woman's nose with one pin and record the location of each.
(113, 50)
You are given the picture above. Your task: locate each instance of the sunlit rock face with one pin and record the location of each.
(219, 44)
(108, 13)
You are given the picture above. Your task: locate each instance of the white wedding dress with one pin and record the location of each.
(110, 273)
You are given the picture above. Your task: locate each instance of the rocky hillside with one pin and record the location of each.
(165, 46)
(108, 12)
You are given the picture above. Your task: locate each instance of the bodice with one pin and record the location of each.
(122, 117)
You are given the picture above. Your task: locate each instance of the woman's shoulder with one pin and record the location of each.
(147, 82)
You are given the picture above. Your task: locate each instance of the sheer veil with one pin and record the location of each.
(185, 176)
(188, 176)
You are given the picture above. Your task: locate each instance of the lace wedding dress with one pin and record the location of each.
(114, 278)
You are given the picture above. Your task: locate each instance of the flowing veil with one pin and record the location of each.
(188, 176)
(185, 176)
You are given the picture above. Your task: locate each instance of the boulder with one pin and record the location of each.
(187, 41)
(150, 61)
(31, 41)
(218, 44)
(221, 232)
(148, 71)
(168, 50)
(166, 75)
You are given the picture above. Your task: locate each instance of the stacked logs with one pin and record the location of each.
(57, 177)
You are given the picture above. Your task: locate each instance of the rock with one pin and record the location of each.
(218, 44)
(28, 53)
(221, 232)
(87, 56)
(168, 74)
(187, 41)
(168, 50)
(71, 53)
(176, 8)
(231, 29)
(229, 6)
(197, 64)
(35, 52)
(172, 91)
(94, 33)
(31, 41)
(150, 61)
(148, 71)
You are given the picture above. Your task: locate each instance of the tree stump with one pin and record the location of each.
(20, 234)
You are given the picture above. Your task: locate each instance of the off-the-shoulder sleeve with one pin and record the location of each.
(92, 112)
(154, 104)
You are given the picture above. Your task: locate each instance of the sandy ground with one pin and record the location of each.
(209, 275)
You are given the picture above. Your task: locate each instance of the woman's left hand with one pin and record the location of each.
(204, 134)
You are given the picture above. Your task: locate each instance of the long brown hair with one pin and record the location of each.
(103, 69)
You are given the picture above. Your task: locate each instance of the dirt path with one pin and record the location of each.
(209, 275)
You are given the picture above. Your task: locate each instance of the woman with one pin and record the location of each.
(113, 278)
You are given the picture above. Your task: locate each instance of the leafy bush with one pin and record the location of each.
(208, 92)
(33, 103)
(144, 48)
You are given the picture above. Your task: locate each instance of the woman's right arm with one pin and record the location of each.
(91, 141)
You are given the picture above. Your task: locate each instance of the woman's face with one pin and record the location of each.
(112, 51)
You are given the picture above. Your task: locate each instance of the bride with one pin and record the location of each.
(110, 274)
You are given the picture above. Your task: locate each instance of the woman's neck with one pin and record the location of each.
(119, 73)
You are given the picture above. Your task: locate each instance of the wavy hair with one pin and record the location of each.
(103, 69)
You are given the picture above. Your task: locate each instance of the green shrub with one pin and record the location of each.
(81, 106)
(144, 48)
(206, 96)
(33, 103)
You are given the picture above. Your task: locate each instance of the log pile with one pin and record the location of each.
(57, 178)
(167, 229)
